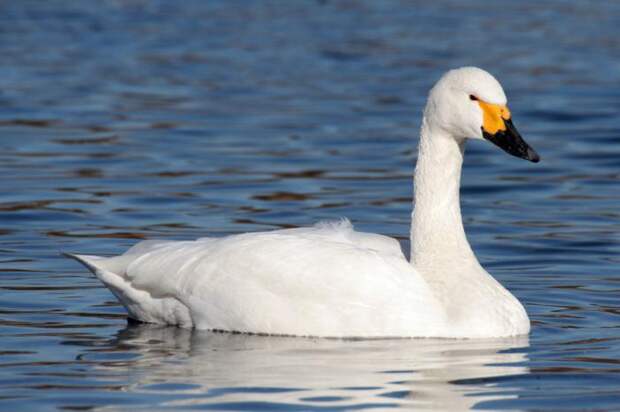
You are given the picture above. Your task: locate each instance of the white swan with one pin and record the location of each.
(331, 281)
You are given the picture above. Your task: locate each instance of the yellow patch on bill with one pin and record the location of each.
(493, 116)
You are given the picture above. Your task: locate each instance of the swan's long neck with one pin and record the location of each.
(438, 241)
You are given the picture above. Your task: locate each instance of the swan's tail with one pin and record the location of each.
(112, 276)
(105, 270)
(140, 304)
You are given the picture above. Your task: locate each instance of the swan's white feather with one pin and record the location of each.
(326, 280)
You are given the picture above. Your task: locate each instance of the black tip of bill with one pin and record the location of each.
(532, 156)
(511, 142)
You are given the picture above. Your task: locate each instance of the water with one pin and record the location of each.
(126, 120)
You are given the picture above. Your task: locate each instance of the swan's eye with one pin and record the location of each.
(472, 97)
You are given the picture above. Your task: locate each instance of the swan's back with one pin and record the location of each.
(327, 280)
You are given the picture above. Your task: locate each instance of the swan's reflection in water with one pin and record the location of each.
(239, 372)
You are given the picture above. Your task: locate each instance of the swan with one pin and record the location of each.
(329, 280)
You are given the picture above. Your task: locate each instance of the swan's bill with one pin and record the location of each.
(497, 128)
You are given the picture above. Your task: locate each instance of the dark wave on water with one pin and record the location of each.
(128, 120)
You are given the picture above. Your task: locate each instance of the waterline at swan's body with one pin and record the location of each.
(331, 281)
(284, 282)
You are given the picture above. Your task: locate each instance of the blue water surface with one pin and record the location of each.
(128, 120)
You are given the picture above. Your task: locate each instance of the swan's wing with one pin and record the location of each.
(342, 230)
(306, 281)
(380, 243)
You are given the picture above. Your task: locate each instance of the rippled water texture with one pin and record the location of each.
(127, 120)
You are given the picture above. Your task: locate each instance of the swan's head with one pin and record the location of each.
(470, 103)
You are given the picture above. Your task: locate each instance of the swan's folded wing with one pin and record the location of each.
(342, 231)
(289, 283)
(380, 243)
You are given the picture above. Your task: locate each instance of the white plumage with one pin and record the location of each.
(329, 280)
